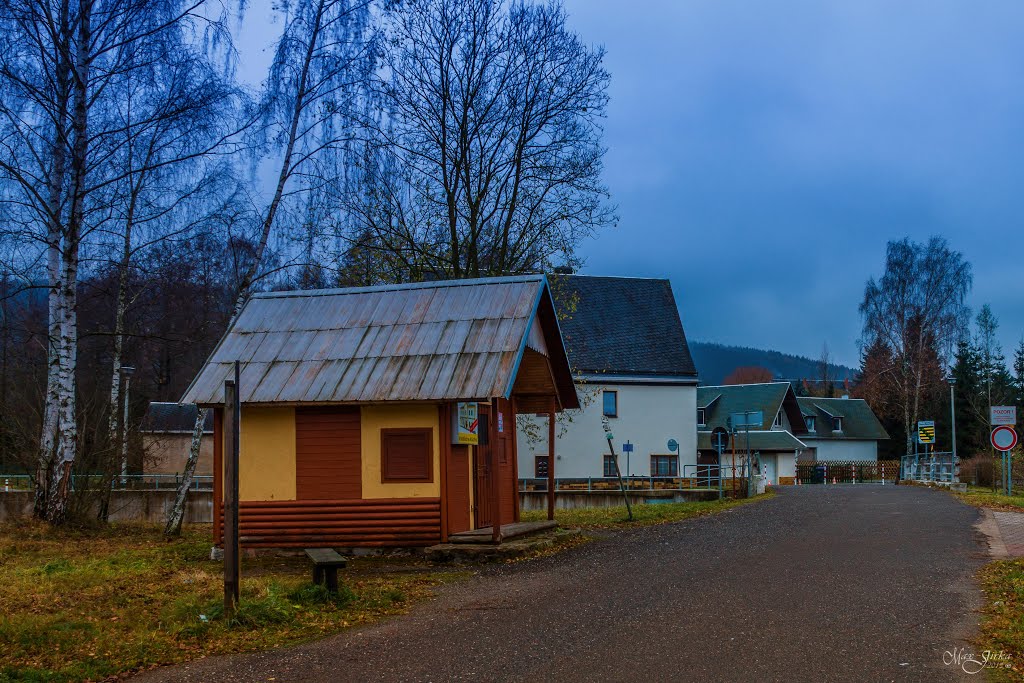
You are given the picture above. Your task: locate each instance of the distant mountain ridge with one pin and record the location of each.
(716, 361)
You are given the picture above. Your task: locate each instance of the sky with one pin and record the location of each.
(762, 154)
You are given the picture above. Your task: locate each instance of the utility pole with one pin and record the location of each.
(126, 372)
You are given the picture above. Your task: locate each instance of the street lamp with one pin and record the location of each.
(952, 416)
(126, 372)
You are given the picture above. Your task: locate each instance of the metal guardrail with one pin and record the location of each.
(930, 467)
(704, 477)
(131, 482)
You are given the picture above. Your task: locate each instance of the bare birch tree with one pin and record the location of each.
(917, 310)
(62, 140)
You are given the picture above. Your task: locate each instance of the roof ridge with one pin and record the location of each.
(432, 284)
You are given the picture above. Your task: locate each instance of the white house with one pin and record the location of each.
(840, 430)
(778, 439)
(804, 429)
(628, 351)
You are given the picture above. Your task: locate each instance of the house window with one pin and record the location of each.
(540, 466)
(778, 420)
(837, 424)
(701, 417)
(609, 466)
(810, 423)
(664, 466)
(407, 455)
(611, 403)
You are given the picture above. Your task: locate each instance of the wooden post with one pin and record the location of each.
(492, 429)
(551, 460)
(232, 567)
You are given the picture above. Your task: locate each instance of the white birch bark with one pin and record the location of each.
(177, 514)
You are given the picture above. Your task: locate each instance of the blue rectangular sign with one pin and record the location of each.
(627, 447)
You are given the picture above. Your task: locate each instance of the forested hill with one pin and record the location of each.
(715, 362)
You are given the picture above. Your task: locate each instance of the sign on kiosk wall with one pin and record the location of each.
(466, 429)
(1003, 415)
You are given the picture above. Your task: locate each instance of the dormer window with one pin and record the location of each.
(702, 417)
(837, 424)
(778, 420)
(810, 423)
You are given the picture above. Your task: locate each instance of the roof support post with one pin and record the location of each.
(551, 460)
(493, 436)
(232, 568)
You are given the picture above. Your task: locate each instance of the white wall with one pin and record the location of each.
(843, 449)
(648, 417)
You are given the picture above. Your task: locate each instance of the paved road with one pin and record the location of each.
(854, 583)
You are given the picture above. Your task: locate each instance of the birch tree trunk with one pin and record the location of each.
(48, 435)
(67, 442)
(177, 515)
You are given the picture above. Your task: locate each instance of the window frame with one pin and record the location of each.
(778, 420)
(673, 461)
(608, 465)
(811, 422)
(604, 406)
(702, 417)
(388, 477)
(837, 424)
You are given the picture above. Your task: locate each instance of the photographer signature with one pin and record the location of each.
(971, 663)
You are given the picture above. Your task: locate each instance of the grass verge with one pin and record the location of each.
(983, 497)
(1002, 629)
(77, 605)
(643, 515)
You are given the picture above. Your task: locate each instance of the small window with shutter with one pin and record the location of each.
(407, 455)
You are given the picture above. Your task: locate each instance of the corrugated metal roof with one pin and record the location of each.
(449, 340)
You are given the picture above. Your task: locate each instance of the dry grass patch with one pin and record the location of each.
(984, 497)
(1002, 628)
(643, 515)
(80, 605)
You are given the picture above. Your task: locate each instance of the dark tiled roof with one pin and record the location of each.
(174, 418)
(621, 326)
(859, 421)
(737, 398)
(773, 440)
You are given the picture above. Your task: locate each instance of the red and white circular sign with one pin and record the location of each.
(1004, 438)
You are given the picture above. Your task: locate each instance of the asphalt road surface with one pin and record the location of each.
(838, 583)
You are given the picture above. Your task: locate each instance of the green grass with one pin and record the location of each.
(983, 497)
(643, 515)
(78, 605)
(1002, 628)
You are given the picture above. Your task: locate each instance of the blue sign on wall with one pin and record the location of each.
(627, 447)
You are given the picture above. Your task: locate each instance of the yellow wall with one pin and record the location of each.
(376, 418)
(266, 469)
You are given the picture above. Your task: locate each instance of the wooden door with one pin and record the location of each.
(457, 476)
(482, 469)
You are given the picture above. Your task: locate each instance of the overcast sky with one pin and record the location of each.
(762, 153)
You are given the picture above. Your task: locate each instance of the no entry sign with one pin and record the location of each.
(1004, 438)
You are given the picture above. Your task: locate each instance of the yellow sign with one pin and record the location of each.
(926, 432)
(467, 424)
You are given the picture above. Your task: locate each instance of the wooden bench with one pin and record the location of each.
(326, 563)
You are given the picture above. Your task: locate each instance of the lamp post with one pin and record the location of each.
(126, 372)
(952, 417)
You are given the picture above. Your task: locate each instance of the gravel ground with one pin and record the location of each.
(838, 583)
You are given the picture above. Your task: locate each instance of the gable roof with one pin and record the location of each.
(859, 421)
(431, 341)
(720, 402)
(173, 418)
(760, 440)
(622, 326)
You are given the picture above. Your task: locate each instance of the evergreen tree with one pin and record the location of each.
(971, 429)
(1018, 377)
